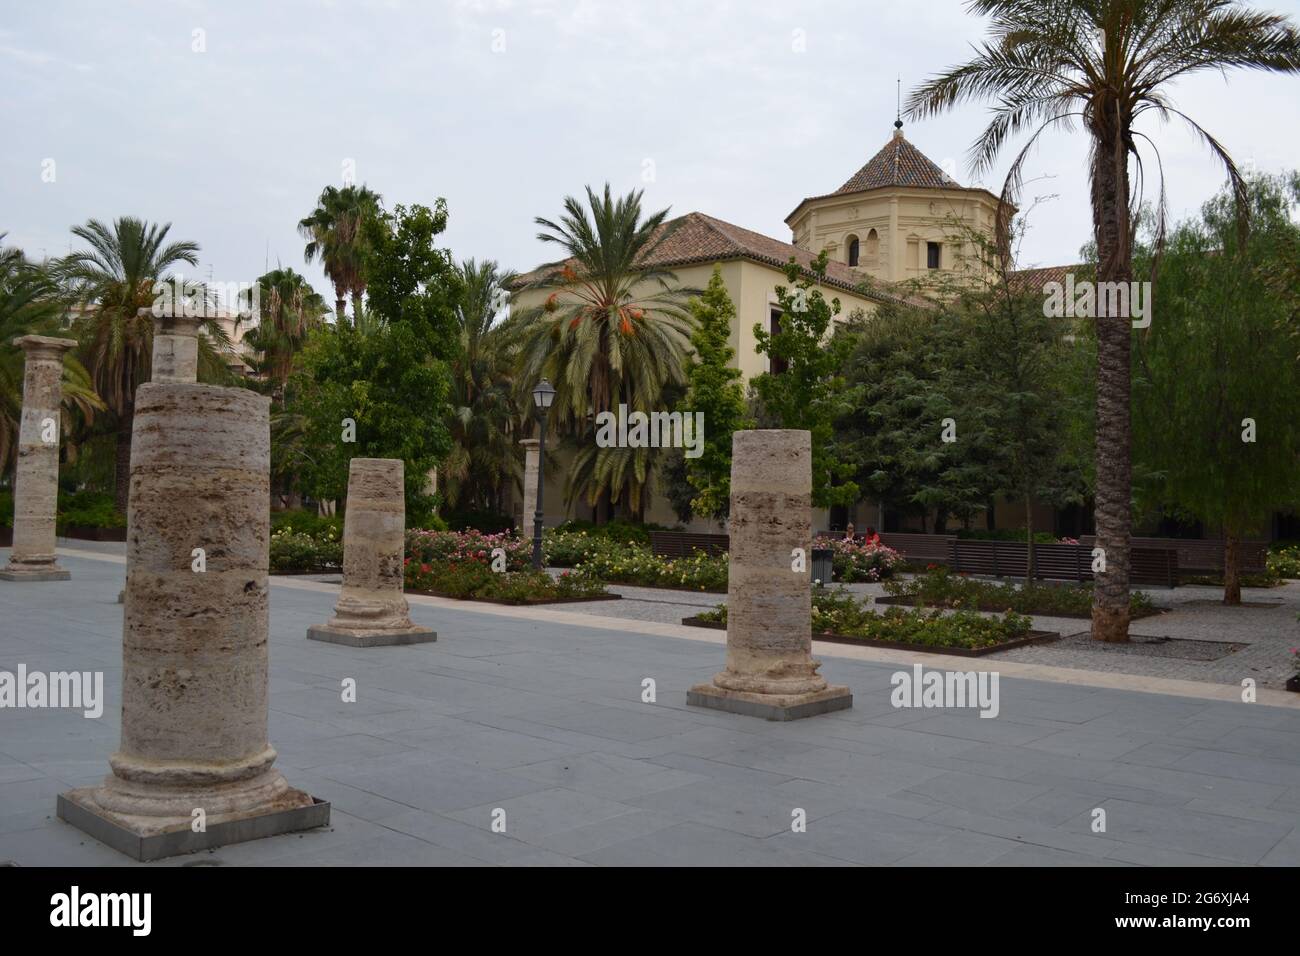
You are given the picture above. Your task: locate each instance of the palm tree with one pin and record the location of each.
(1105, 63)
(288, 308)
(30, 304)
(484, 414)
(333, 231)
(110, 282)
(615, 328)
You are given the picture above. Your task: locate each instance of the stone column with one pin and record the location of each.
(194, 646)
(531, 455)
(175, 348)
(36, 480)
(770, 671)
(372, 611)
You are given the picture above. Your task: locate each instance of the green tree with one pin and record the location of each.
(807, 393)
(288, 308)
(1217, 374)
(110, 282)
(613, 331)
(335, 233)
(484, 417)
(1105, 62)
(30, 304)
(392, 382)
(715, 391)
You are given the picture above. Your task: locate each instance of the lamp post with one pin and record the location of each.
(543, 396)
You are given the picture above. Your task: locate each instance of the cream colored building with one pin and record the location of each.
(895, 224)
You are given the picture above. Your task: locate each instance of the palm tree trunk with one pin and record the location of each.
(356, 306)
(122, 462)
(1110, 191)
(1231, 567)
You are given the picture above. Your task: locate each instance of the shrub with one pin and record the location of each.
(838, 612)
(1284, 562)
(302, 521)
(619, 530)
(939, 587)
(473, 578)
(858, 561)
(297, 551)
(88, 509)
(489, 522)
(432, 547)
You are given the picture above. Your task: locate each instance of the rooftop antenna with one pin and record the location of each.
(898, 103)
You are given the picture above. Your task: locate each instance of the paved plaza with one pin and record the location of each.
(539, 713)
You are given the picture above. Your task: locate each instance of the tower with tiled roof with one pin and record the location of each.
(900, 217)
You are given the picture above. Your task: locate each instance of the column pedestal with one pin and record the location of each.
(372, 611)
(36, 479)
(770, 671)
(194, 646)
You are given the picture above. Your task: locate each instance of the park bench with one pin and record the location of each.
(681, 544)
(1063, 562)
(915, 548)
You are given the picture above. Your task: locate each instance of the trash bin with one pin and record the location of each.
(823, 566)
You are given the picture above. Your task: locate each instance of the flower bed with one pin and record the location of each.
(1284, 562)
(839, 617)
(939, 587)
(302, 552)
(473, 579)
(433, 547)
(618, 563)
(858, 561)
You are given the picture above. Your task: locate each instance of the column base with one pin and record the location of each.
(49, 572)
(377, 637)
(770, 706)
(142, 838)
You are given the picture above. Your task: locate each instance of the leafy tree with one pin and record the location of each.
(1218, 367)
(612, 331)
(1106, 62)
(288, 309)
(335, 235)
(484, 415)
(30, 304)
(807, 394)
(392, 382)
(110, 282)
(714, 390)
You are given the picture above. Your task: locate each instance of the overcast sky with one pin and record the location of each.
(738, 110)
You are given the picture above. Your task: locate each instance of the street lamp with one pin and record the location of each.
(543, 396)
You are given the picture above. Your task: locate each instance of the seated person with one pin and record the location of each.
(871, 537)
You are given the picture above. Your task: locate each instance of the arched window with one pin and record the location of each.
(853, 250)
(873, 245)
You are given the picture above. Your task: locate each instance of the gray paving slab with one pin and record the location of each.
(546, 722)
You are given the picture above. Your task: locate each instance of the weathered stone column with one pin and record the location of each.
(372, 611)
(194, 646)
(175, 347)
(36, 479)
(770, 671)
(531, 467)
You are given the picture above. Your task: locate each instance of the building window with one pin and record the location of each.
(777, 366)
(853, 250)
(932, 255)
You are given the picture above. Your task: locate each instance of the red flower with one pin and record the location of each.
(424, 569)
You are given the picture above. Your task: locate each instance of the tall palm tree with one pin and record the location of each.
(333, 234)
(30, 304)
(110, 282)
(614, 328)
(1105, 63)
(484, 413)
(288, 308)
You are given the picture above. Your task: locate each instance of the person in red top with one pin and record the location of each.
(871, 537)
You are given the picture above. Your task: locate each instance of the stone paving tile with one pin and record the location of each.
(546, 722)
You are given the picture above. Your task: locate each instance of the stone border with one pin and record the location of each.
(480, 600)
(1035, 637)
(394, 638)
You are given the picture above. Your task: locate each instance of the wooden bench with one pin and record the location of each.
(1064, 562)
(1201, 556)
(682, 544)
